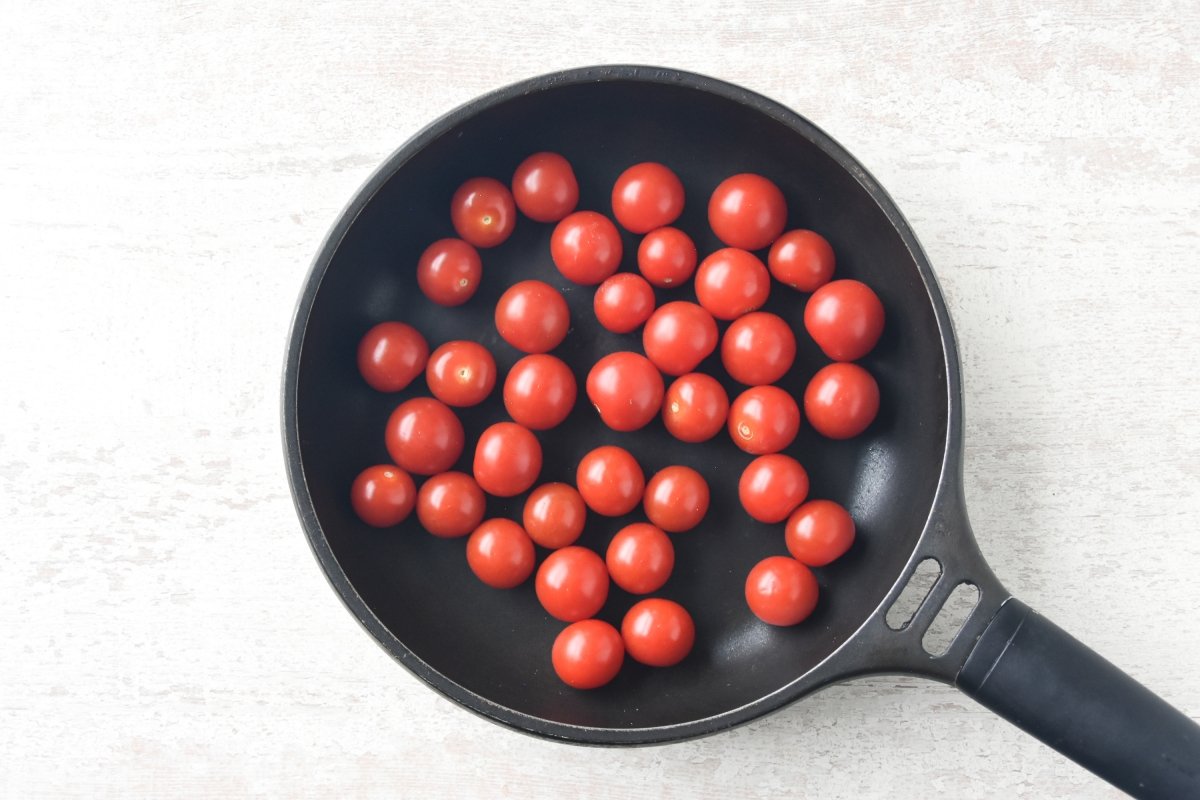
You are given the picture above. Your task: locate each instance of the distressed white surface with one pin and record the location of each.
(167, 170)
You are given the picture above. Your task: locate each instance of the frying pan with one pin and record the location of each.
(489, 650)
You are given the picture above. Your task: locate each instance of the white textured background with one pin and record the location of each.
(167, 170)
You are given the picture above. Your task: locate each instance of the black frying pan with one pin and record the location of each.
(490, 650)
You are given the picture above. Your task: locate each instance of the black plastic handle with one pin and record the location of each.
(1044, 681)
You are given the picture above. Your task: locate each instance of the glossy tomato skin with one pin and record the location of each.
(500, 553)
(508, 458)
(610, 480)
(802, 259)
(586, 247)
(819, 532)
(676, 498)
(424, 436)
(554, 515)
(758, 348)
(695, 407)
(544, 187)
(772, 486)
(845, 319)
(539, 391)
(667, 257)
(391, 355)
(450, 505)
(587, 654)
(449, 272)
(647, 196)
(483, 212)
(678, 336)
(623, 302)
(626, 389)
(532, 316)
(383, 495)
(747, 211)
(732, 282)
(658, 632)
(572, 584)
(640, 558)
(781, 591)
(841, 400)
(461, 373)
(764, 419)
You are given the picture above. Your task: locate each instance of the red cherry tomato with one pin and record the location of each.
(764, 419)
(449, 272)
(640, 558)
(845, 319)
(732, 282)
(772, 486)
(450, 505)
(626, 390)
(586, 247)
(658, 632)
(545, 188)
(554, 515)
(647, 196)
(424, 436)
(500, 554)
(841, 400)
(679, 336)
(461, 373)
(747, 211)
(623, 302)
(508, 459)
(539, 391)
(587, 654)
(695, 407)
(667, 257)
(610, 480)
(391, 355)
(383, 495)
(483, 212)
(819, 532)
(532, 316)
(781, 591)
(572, 583)
(802, 260)
(758, 348)
(676, 499)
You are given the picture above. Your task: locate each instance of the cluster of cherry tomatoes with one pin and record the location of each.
(424, 436)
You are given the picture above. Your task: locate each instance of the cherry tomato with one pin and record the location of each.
(539, 391)
(532, 316)
(764, 419)
(841, 400)
(483, 212)
(781, 591)
(623, 302)
(695, 407)
(747, 211)
(586, 247)
(449, 272)
(845, 319)
(667, 257)
(554, 515)
(391, 355)
(572, 583)
(545, 188)
(758, 348)
(802, 260)
(450, 505)
(658, 632)
(461, 373)
(676, 499)
(772, 486)
(610, 480)
(678, 336)
(819, 532)
(424, 436)
(647, 196)
(587, 654)
(508, 458)
(500, 553)
(626, 390)
(383, 495)
(640, 558)
(732, 282)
